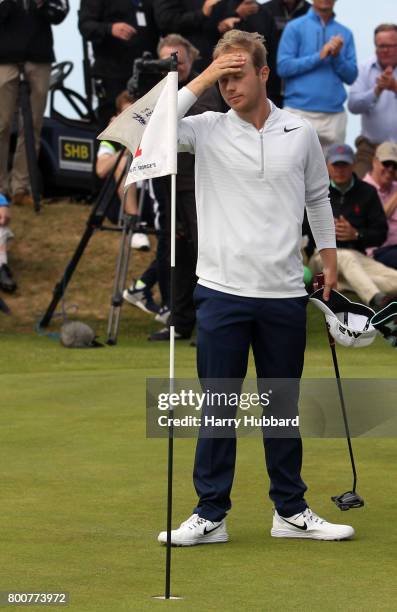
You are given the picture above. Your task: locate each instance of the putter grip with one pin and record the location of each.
(319, 282)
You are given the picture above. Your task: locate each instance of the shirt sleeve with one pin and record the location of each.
(319, 211)
(362, 97)
(106, 148)
(186, 133)
(345, 64)
(91, 23)
(289, 63)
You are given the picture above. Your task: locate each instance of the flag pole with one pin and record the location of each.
(154, 115)
(172, 376)
(172, 139)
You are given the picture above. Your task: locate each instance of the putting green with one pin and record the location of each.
(83, 492)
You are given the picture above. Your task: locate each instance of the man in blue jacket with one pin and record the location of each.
(316, 57)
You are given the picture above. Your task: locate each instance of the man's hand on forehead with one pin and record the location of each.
(228, 64)
(225, 65)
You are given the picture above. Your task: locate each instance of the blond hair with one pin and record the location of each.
(252, 42)
(176, 40)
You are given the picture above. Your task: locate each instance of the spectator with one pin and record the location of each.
(359, 223)
(184, 315)
(26, 39)
(192, 19)
(107, 156)
(384, 178)
(285, 10)
(282, 11)
(7, 282)
(120, 30)
(374, 97)
(316, 57)
(139, 293)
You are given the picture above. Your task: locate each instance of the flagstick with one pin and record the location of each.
(172, 375)
(172, 135)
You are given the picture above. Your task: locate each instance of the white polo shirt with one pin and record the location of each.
(251, 190)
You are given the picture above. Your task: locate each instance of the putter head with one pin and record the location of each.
(348, 500)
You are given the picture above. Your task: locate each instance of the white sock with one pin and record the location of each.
(3, 246)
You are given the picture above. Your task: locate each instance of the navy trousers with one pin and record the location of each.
(387, 255)
(227, 325)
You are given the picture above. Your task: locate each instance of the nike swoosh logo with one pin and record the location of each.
(286, 130)
(210, 530)
(301, 527)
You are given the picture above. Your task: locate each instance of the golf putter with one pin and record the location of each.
(349, 499)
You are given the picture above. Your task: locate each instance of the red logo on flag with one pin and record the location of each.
(138, 152)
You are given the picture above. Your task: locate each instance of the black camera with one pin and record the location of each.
(147, 72)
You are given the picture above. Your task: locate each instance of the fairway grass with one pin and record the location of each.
(84, 491)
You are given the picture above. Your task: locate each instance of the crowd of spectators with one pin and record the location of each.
(312, 58)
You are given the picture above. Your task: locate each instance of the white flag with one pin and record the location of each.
(156, 154)
(128, 127)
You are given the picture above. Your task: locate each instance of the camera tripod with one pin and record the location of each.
(129, 223)
(126, 226)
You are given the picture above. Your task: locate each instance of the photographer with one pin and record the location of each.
(26, 39)
(184, 315)
(120, 31)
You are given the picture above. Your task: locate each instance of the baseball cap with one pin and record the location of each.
(385, 321)
(387, 151)
(340, 153)
(349, 323)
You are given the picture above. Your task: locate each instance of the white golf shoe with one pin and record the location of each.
(140, 242)
(196, 530)
(307, 524)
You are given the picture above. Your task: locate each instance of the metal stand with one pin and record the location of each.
(120, 279)
(30, 146)
(95, 222)
(128, 224)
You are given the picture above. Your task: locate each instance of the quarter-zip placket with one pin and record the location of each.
(262, 170)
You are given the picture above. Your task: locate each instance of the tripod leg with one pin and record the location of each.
(120, 280)
(94, 222)
(60, 287)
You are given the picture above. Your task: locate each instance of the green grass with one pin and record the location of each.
(84, 491)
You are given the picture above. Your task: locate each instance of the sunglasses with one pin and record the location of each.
(389, 165)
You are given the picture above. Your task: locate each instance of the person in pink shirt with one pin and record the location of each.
(384, 178)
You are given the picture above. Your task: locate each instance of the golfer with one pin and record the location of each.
(256, 167)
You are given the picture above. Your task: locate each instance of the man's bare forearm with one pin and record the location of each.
(330, 269)
(200, 84)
